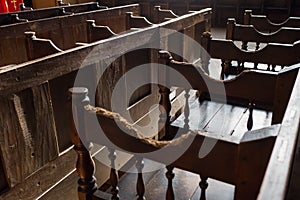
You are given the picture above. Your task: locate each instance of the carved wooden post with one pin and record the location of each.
(140, 186)
(170, 175)
(128, 20)
(30, 35)
(186, 110)
(165, 104)
(203, 185)
(257, 45)
(247, 17)
(156, 14)
(273, 68)
(250, 119)
(223, 69)
(230, 28)
(114, 178)
(205, 43)
(90, 24)
(85, 166)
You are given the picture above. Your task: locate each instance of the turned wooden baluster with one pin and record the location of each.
(170, 175)
(240, 67)
(165, 103)
(140, 186)
(250, 119)
(224, 69)
(257, 46)
(85, 166)
(203, 185)
(205, 43)
(114, 178)
(255, 65)
(273, 68)
(226, 65)
(244, 45)
(186, 110)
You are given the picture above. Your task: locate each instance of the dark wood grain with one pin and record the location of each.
(277, 175)
(32, 144)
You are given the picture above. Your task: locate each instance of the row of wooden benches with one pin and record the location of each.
(49, 77)
(277, 10)
(34, 91)
(271, 91)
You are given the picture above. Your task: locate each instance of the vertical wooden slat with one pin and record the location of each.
(28, 132)
(170, 191)
(59, 88)
(191, 52)
(108, 80)
(134, 59)
(44, 125)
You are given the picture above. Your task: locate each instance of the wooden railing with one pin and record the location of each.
(35, 140)
(237, 157)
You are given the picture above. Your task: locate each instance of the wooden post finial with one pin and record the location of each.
(230, 28)
(85, 165)
(247, 17)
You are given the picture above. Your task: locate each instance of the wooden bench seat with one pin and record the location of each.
(217, 114)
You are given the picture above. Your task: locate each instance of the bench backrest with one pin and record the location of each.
(30, 15)
(262, 23)
(64, 32)
(248, 33)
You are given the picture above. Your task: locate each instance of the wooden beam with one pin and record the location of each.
(277, 176)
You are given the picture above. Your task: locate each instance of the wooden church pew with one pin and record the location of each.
(262, 23)
(33, 98)
(273, 55)
(248, 33)
(30, 15)
(235, 158)
(64, 32)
